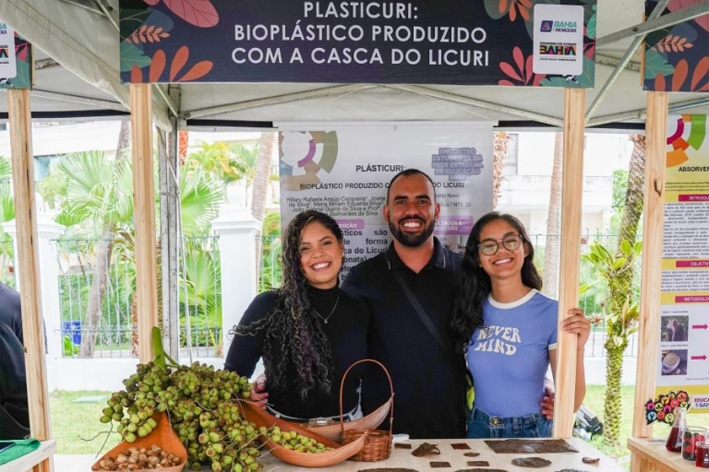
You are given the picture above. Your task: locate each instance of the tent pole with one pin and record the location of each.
(18, 104)
(653, 221)
(571, 198)
(168, 167)
(144, 217)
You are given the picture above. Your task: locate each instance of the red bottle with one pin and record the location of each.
(674, 440)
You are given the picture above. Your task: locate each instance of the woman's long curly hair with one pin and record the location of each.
(473, 283)
(291, 328)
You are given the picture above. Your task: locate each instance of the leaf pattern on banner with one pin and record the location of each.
(132, 20)
(136, 75)
(132, 56)
(158, 65)
(672, 43)
(702, 21)
(591, 26)
(148, 34)
(656, 63)
(200, 13)
(512, 7)
(699, 81)
(22, 51)
(521, 72)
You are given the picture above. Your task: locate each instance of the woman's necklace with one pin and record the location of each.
(326, 318)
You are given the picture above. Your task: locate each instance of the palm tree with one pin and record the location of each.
(98, 200)
(261, 179)
(618, 271)
(98, 194)
(551, 248)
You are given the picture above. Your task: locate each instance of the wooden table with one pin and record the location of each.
(650, 455)
(46, 449)
(403, 458)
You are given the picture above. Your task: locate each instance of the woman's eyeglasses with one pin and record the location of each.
(489, 247)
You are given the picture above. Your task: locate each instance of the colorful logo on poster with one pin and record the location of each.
(4, 52)
(662, 409)
(564, 27)
(558, 26)
(557, 49)
(697, 133)
(307, 155)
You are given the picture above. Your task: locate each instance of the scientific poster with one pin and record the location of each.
(344, 170)
(684, 328)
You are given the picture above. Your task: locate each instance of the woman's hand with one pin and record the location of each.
(547, 403)
(578, 324)
(258, 393)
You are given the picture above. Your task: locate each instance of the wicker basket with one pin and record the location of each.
(377, 442)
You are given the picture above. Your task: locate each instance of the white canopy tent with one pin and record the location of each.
(81, 37)
(77, 74)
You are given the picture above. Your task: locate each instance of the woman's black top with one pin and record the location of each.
(346, 330)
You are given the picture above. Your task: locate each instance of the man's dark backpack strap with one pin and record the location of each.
(418, 308)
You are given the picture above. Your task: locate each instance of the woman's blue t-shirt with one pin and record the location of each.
(509, 355)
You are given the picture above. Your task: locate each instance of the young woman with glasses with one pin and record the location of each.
(508, 329)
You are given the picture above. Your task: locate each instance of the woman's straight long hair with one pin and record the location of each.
(473, 283)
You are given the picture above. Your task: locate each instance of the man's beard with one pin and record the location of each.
(411, 239)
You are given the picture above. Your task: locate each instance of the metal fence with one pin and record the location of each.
(113, 334)
(593, 301)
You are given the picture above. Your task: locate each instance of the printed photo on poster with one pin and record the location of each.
(674, 362)
(674, 328)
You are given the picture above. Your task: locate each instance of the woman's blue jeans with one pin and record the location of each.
(482, 425)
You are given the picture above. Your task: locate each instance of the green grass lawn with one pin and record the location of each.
(76, 426)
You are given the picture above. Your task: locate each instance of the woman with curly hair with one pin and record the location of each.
(308, 332)
(507, 330)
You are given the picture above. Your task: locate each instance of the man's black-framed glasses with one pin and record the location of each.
(489, 247)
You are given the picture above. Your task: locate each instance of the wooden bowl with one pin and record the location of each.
(162, 436)
(338, 454)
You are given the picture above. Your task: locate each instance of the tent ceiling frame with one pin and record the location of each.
(275, 100)
(64, 97)
(476, 103)
(85, 4)
(637, 41)
(605, 60)
(678, 16)
(171, 105)
(641, 113)
(105, 11)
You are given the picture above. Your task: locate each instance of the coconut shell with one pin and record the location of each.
(162, 436)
